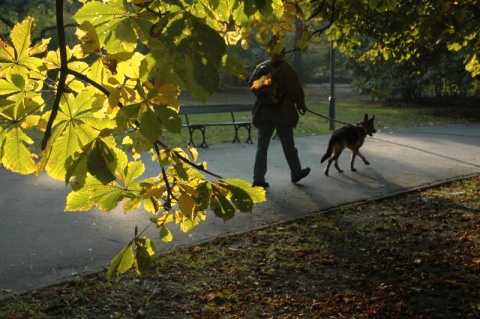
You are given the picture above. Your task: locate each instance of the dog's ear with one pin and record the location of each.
(365, 118)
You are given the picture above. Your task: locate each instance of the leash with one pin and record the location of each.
(329, 118)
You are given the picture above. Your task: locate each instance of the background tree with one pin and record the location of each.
(401, 48)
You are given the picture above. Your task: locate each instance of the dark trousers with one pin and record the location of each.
(285, 133)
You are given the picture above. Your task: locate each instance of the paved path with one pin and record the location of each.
(42, 245)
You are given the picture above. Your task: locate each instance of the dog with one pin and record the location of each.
(351, 137)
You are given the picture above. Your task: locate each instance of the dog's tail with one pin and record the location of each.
(328, 153)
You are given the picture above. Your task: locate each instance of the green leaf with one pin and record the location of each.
(19, 58)
(170, 119)
(100, 162)
(16, 155)
(127, 116)
(249, 7)
(157, 29)
(233, 66)
(238, 192)
(257, 194)
(202, 77)
(145, 250)
(112, 25)
(187, 225)
(76, 162)
(121, 262)
(5, 106)
(62, 147)
(207, 42)
(150, 126)
(94, 193)
(97, 12)
(241, 199)
(165, 234)
(122, 37)
(7, 87)
(221, 206)
(264, 6)
(132, 171)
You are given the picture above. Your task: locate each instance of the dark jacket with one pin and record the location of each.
(285, 113)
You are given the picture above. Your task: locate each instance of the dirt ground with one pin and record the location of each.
(411, 256)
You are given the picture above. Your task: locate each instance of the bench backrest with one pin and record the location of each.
(218, 108)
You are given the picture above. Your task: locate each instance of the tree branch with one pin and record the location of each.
(332, 17)
(45, 30)
(85, 78)
(186, 160)
(317, 11)
(63, 72)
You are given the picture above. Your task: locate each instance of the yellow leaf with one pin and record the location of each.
(194, 154)
(22, 36)
(187, 204)
(7, 53)
(131, 67)
(87, 34)
(127, 140)
(263, 80)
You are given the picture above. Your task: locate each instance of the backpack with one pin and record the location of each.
(264, 84)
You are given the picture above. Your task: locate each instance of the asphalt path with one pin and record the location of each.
(42, 245)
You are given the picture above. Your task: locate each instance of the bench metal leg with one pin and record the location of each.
(248, 127)
(192, 129)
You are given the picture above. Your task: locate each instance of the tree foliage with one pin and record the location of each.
(409, 38)
(106, 100)
(117, 89)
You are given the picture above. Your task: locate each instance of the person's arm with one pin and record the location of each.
(295, 88)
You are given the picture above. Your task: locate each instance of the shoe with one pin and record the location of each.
(304, 173)
(261, 184)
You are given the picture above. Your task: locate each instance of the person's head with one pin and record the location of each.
(278, 53)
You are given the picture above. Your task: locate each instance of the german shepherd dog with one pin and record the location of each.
(351, 137)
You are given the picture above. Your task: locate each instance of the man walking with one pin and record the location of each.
(282, 118)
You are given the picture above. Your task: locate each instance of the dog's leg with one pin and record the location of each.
(335, 157)
(363, 158)
(328, 166)
(354, 154)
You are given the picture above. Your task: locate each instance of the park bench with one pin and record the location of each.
(189, 110)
